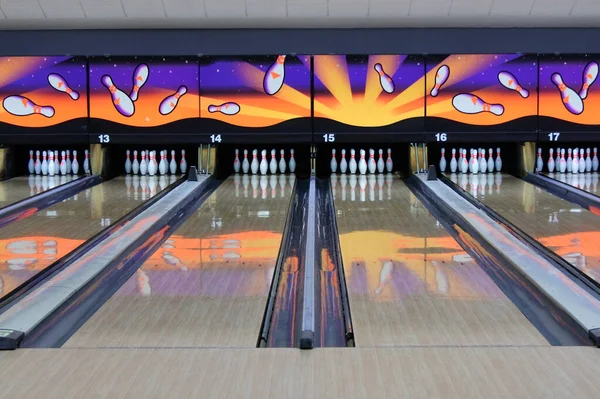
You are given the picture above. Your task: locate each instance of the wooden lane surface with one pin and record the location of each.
(21, 187)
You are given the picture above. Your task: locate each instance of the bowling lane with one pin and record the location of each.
(19, 188)
(208, 284)
(583, 181)
(30, 245)
(409, 281)
(569, 230)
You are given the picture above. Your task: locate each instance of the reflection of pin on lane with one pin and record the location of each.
(140, 76)
(509, 81)
(570, 98)
(471, 104)
(59, 83)
(590, 73)
(274, 77)
(168, 104)
(386, 82)
(441, 76)
(122, 102)
(229, 108)
(22, 106)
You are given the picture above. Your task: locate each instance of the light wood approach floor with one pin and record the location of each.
(33, 243)
(21, 187)
(208, 285)
(410, 283)
(462, 373)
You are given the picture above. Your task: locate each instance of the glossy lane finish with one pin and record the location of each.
(208, 284)
(19, 188)
(584, 181)
(569, 230)
(30, 245)
(409, 282)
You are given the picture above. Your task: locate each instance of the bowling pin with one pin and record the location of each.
(509, 81)
(353, 164)
(362, 164)
(51, 164)
(372, 165)
(540, 162)
(38, 163)
(282, 164)
(386, 82)
(60, 84)
(343, 163)
(168, 104)
(229, 108)
(31, 164)
(69, 164)
(162, 166)
(333, 164)
(274, 77)
(143, 164)
(380, 162)
(551, 161)
(482, 161)
(441, 76)
(443, 161)
(389, 164)
(575, 164)
(570, 98)
(563, 163)
(464, 165)
(471, 104)
(183, 163)
(490, 165)
(453, 162)
(121, 101)
(588, 160)
(264, 166)
(590, 73)
(86, 162)
(140, 76)
(594, 160)
(474, 162)
(127, 163)
(173, 163)
(254, 165)
(498, 160)
(292, 163)
(135, 165)
(75, 164)
(569, 161)
(245, 163)
(63, 164)
(236, 161)
(22, 106)
(581, 161)
(273, 163)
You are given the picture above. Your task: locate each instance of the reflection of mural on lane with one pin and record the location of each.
(143, 91)
(467, 91)
(568, 93)
(369, 91)
(33, 90)
(255, 91)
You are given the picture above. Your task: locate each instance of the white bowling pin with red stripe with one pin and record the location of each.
(22, 106)
(385, 81)
(59, 83)
(472, 104)
(274, 77)
(441, 76)
(140, 77)
(590, 73)
(509, 81)
(168, 104)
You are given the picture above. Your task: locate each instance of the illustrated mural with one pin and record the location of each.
(481, 92)
(569, 94)
(363, 91)
(143, 92)
(41, 92)
(256, 92)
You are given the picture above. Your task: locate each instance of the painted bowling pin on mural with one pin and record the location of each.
(570, 98)
(509, 81)
(274, 77)
(386, 82)
(441, 76)
(59, 83)
(22, 106)
(168, 104)
(121, 101)
(471, 104)
(140, 77)
(590, 73)
(229, 108)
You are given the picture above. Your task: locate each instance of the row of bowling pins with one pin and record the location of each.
(371, 182)
(264, 183)
(149, 165)
(263, 165)
(362, 165)
(50, 165)
(149, 185)
(475, 163)
(585, 181)
(575, 162)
